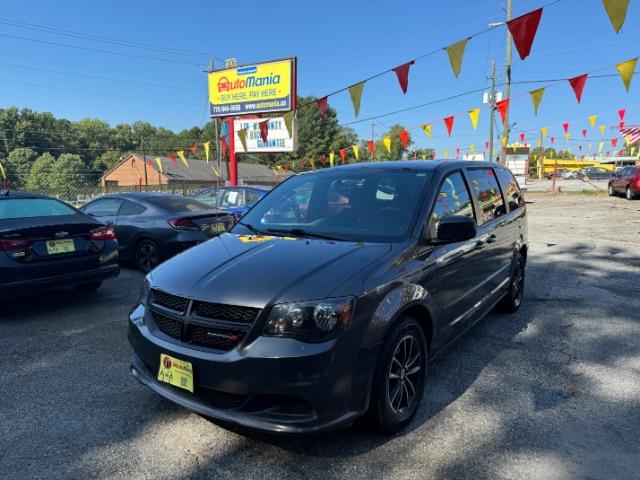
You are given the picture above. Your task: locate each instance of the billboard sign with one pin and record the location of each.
(277, 141)
(517, 160)
(250, 89)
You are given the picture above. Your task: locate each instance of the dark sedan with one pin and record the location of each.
(45, 243)
(152, 227)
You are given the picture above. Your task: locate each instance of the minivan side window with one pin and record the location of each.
(453, 199)
(486, 191)
(510, 188)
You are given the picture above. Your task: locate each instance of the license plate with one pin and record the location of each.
(55, 247)
(213, 228)
(176, 372)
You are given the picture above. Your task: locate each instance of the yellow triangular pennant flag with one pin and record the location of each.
(603, 128)
(206, 150)
(626, 69)
(590, 145)
(617, 11)
(4, 174)
(159, 163)
(472, 148)
(536, 97)
(355, 91)
(427, 129)
(288, 122)
(356, 151)
(543, 132)
(539, 143)
(183, 158)
(387, 143)
(313, 163)
(242, 135)
(627, 139)
(473, 116)
(331, 155)
(504, 141)
(567, 136)
(592, 120)
(445, 154)
(600, 147)
(424, 157)
(456, 52)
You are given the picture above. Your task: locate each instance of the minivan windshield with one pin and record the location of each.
(369, 205)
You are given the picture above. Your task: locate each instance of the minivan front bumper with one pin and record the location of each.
(278, 385)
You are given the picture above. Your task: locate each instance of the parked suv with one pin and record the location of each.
(332, 294)
(626, 181)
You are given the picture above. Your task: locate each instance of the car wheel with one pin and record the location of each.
(629, 194)
(147, 255)
(610, 190)
(513, 299)
(87, 287)
(399, 378)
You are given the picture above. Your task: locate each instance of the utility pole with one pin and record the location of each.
(217, 134)
(492, 106)
(144, 161)
(507, 87)
(373, 126)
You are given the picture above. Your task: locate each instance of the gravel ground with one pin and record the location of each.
(550, 392)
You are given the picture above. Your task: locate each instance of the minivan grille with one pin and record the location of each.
(205, 324)
(173, 302)
(231, 313)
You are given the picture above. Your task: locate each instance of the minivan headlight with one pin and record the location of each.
(314, 321)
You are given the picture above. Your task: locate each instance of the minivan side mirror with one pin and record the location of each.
(456, 229)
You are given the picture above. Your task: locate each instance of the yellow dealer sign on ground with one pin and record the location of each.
(261, 88)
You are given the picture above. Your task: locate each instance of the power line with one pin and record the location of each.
(99, 50)
(105, 39)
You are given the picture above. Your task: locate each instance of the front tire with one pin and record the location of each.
(147, 255)
(511, 302)
(398, 382)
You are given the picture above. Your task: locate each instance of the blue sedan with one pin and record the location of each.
(235, 200)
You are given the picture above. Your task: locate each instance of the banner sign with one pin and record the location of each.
(250, 89)
(278, 139)
(517, 160)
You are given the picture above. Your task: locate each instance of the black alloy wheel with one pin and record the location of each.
(147, 255)
(399, 379)
(513, 299)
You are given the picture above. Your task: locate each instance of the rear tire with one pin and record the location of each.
(147, 255)
(398, 382)
(87, 287)
(511, 302)
(610, 190)
(629, 194)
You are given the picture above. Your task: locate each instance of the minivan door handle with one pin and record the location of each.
(480, 244)
(492, 238)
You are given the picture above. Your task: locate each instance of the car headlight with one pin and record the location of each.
(314, 321)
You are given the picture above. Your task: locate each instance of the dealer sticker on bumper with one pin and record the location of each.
(176, 372)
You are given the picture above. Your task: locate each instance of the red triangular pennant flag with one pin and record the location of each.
(286, 167)
(402, 72)
(343, 155)
(321, 156)
(223, 146)
(577, 83)
(404, 138)
(173, 158)
(522, 135)
(503, 107)
(449, 124)
(614, 142)
(553, 139)
(150, 163)
(486, 145)
(621, 125)
(264, 130)
(372, 147)
(193, 148)
(584, 133)
(457, 152)
(322, 105)
(566, 127)
(621, 113)
(523, 30)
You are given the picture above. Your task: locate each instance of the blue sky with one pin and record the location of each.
(337, 43)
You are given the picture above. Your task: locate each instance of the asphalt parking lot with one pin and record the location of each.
(551, 392)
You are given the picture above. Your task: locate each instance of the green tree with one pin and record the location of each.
(106, 161)
(418, 153)
(40, 175)
(19, 165)
(69, 173)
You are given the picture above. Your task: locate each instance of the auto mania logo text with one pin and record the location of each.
(225, 85)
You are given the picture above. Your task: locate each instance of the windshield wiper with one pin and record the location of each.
(299, 232)
(253, 229)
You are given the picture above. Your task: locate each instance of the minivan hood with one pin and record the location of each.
(258, 270)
